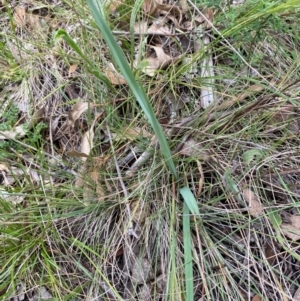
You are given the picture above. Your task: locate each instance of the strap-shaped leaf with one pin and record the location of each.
(134, 85)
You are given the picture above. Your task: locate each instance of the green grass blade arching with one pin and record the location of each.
(140, 94)
(136, 88)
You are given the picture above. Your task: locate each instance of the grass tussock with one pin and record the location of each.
(109, 150)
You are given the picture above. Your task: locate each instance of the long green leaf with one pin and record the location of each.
(190, 200)
(136, 88)
(188, 260)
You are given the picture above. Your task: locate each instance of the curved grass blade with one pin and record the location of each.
(61, 33)
(136, 88)
(190, 200)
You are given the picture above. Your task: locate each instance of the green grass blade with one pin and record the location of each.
(62, 34)
(136, 88)
(190, 200)
(188, 263)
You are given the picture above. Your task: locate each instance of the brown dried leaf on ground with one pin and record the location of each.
(27, 20)
(292, 229)
(87, 142)
(72, 70)
(141, 27)
(192, 148)
(150, 7)
(36, 118)
(133, 134)
(254, 205)
(19, 16)
(113, 5)
(161, 61)
(76, 111)
(159, 27)
(114, 76)
(13, 134)
(171, 10)
(209, 14)
(270, 252)
(256, 298)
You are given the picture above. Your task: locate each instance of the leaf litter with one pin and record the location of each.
(209, 144)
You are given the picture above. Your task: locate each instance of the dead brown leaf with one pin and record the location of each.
(270, 252)
(36, 117)
(3, 167)
(161, 61)
(292, 229)
(134, 133)
(170, 10)
(13, 134)
(113, 5)
(150, 7)
(114, 76)
(256, 298)
(209, 14)
(76, 111)
(159, 27)
(20, 16)
(87, 142)
(254, 205)
(72, 69)
(154, 7)
(141, 27)
(192, 148)
(24, 19)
